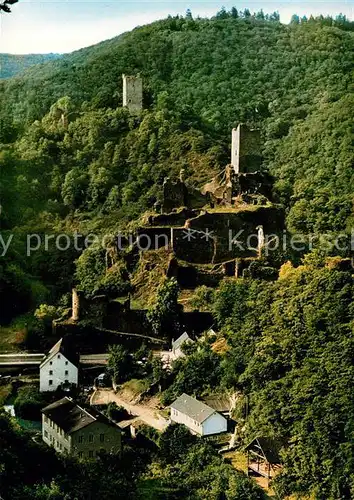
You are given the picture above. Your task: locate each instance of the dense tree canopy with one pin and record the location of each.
(290, 352)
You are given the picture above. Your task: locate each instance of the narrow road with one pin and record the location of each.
(94, 359)
(148, 415)
(25, 359)
(19, 359)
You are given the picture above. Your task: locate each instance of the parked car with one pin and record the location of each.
(103, 380)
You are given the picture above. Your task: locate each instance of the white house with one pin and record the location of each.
(197, 416)
(60, 366)
(177, 344)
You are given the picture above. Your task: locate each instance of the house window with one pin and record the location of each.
(91, 438)
(46, 434)
(81, 439)
(58, 356)
(50, 372)
(66, 372)
(91, 454)
(50, 362)
(81, 454)
(66, 363)
(50, 382)
(102, 438)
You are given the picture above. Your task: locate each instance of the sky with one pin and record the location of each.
(43, 26)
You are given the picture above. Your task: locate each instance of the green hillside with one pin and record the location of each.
(74, 161)
(201, 77)
(11, 64)
(101, 167)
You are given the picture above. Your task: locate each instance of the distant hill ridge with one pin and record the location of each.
(12, 64)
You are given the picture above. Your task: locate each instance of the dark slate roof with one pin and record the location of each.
(183, 338)
(193, 408)
(65, 348)
(219, 402)
(71, 417)
(267, 447)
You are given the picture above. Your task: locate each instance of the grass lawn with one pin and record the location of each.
(5, 391)
(30, 425)
(13, 335)
(151, 489)
(238, 460)
(135, 386)
(10, 339)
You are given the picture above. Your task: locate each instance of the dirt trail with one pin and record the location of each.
(148, 415)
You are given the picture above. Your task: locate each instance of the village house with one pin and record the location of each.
(60, 367)
(78, 431)
(177, 345)
(197, 416)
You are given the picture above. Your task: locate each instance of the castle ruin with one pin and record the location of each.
(246, 150)
(133, 93)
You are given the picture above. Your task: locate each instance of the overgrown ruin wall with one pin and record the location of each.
(209, 238)
(176, 194)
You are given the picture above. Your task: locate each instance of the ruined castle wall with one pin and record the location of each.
(158, 237)
(174, 219)
(195, 247)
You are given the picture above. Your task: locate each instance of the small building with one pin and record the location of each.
(78, 431)
(59, 367)
(177, 345)
(197, 416)
(263, 457)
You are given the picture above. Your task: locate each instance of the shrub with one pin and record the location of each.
(29, 402)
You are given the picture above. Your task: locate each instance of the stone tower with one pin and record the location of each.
(133, 93)
(246, 150)
(75, 315)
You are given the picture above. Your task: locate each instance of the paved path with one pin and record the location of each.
(149, 416)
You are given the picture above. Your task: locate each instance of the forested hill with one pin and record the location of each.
(226, 69)
(294, 82)
(101, 167)
(11, 64)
